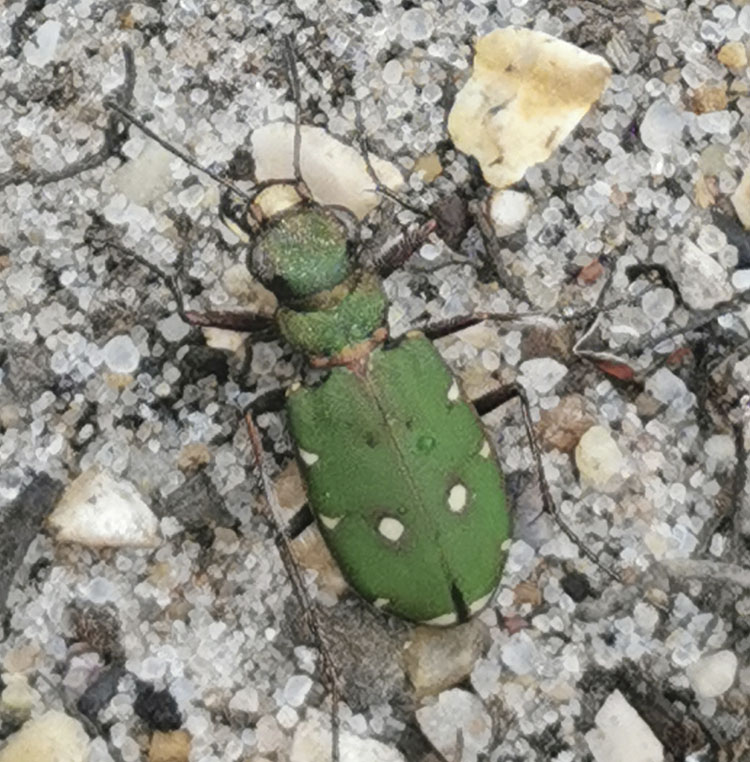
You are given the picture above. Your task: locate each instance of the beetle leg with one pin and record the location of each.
(395, 253)
(309, 607)
(492, 400)
(263, 326)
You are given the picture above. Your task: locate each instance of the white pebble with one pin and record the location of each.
(296, 689)
(456, 710)
(661, 127)
(542, 374)
(714, 674)
(99, 511)
(621, 735)
(416, 25)
(392, 72)
(121, 355)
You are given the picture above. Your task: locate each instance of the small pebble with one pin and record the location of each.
(51, 737)
(661, 128)
(713, 675)
(173, 746)
(598, 458)
(542, 374)
(312, 743)
(621, 735)
(437, 659)
(509, 211)
(121, 355)
(456, 710)
(100, 511)
(733, 55)
(416, 25)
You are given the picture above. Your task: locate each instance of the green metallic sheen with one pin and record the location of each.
(391, 442)
(351, 320)
(306, 248)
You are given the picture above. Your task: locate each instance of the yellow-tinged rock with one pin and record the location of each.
(17, 698)
(169, 747)
(429, 166)
(527, 92)
(53, 737)
(733, 55)
(599, 459)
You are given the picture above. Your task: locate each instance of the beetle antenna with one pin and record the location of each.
(144, 128)
(272, 513)
(291, 66)
(379, 187)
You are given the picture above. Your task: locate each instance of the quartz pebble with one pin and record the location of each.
(621, 735)
(703, 282)
(334, 172)
(100, 511)
(509, 210)
(527, 92)
(416, 25)
(145, 177)
(456, 710)
(121, 355)
(312, 743)
(40, 49)
(661, 127)
(599, 459)
(714, 674)
(52, 737)
(542, 374)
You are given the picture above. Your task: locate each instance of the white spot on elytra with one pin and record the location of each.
(457, 498)
(485, 449)
(442, 621)
(330, 522)
(479, 603)
(453, 392)
(308, 457)
(391, 528)
(380, 602)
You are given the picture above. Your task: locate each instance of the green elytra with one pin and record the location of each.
(401, 478)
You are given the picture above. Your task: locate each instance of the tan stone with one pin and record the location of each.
(193, 457)
(708, 98)
(437, 659)
(733, 55)
(429, 166)
(562, 427)
(169, 747)
(706, 190)
(527, 92)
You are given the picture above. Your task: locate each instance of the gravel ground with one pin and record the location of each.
(637, 215)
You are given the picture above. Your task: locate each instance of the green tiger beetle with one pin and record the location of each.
(401, 476)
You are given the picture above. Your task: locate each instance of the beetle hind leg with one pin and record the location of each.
(494, 399)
